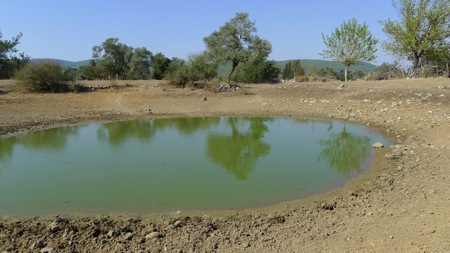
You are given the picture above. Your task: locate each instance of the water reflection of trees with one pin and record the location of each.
(345, 152)
(6, 149)
(117, 133)
(50, 139)
(239, 151)
(187, 125)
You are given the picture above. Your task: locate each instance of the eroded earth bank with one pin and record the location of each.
(402, 204)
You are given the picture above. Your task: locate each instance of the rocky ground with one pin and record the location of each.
(402, 204)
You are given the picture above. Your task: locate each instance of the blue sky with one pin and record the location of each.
(69, 29)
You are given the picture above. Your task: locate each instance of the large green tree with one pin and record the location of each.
(113, 56)
(236, 42)
(350, 43)
(422, 32)
(10, 62)
(160, 64)
(140, 63)
(113, 59)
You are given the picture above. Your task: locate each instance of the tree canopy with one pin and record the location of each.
(10, 62)
(117, 60)
(236, 42)
(351, 43)
(422, 32)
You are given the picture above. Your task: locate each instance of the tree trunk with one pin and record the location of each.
(345, 72)
(233, 67)
(415, 66)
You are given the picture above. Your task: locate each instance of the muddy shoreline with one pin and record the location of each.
(400, 204)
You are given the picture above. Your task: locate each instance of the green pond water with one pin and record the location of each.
(159, 165)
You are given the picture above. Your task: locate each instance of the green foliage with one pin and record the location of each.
(9, 61)
(386, 71)
(140, 63)
(422, 33)
(160, 64)
(257, 70)
(45, 77)
(236, 42)
(349, 44)
(197, 68)
(117, 60)
(293, 68)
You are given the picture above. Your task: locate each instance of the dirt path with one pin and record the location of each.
(401, 205)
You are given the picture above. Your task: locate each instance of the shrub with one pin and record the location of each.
(302, 79)
(386, 71)
(44, 76)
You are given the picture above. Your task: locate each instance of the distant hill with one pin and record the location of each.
(67, 64)
(223, 70)
(308, 63)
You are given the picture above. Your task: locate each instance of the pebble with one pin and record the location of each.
(46, 250)
(152, 235)
(378, 145)
(38, 244)
(54, 227)
(128, 236)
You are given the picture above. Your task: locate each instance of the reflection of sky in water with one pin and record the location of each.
(170, 164)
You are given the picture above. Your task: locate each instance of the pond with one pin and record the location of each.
(159, 165)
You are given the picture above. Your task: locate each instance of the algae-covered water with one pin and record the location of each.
(158, 165)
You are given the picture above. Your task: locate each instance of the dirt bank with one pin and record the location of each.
(401, 205)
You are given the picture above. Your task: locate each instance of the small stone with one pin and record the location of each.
(54, 227)
(431, 192)
(111, 233)
(46, 250)
(378, 145)
(152, 235)
(38, 245)
(205, 99)
(177, 223)
(128, 236)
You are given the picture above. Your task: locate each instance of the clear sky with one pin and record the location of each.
(69, 29)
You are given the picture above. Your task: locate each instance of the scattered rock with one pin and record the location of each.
(46, 250)
(54, 227)
(204, 99)
(112, 233)
(226, 87)
(128, 236)
(38, 244)
(378, 145)
(152, 235)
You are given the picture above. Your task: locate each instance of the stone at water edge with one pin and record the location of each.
(378, 145)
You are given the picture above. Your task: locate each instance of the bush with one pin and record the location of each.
(386, 71)
(302, 79)
(44, 76)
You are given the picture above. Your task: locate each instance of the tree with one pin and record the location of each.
(422, 33)
(292, 69)
(114, 57)
(236, 42)
(160, 64)
(9, 61)
(349, 44)
(140, 63)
